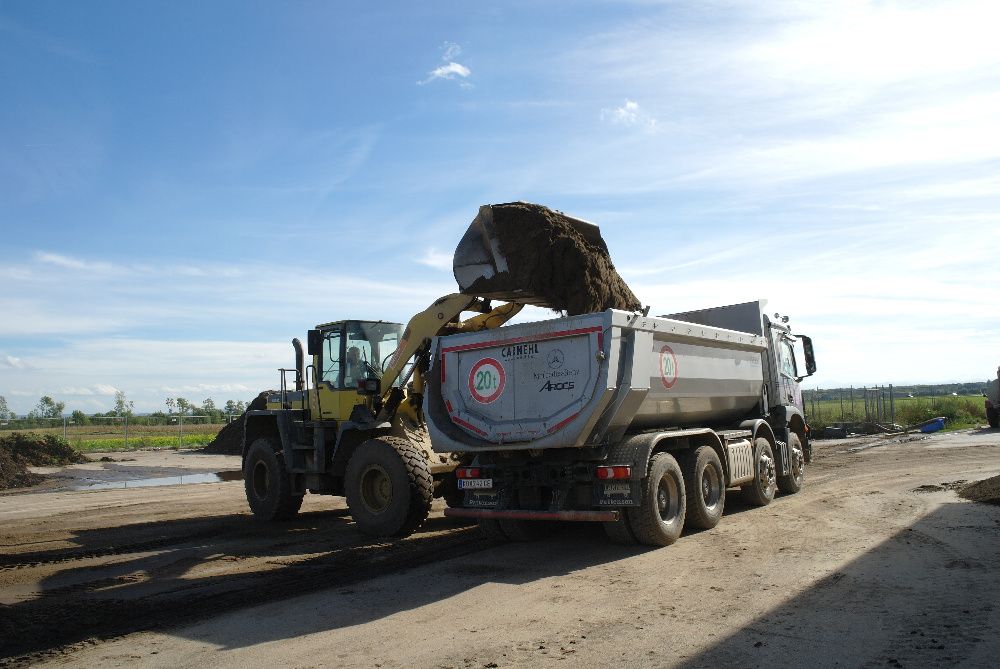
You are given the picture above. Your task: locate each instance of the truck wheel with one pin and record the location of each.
(268, 484)
(659, 518)
(792, 482)
(705, 486)
(993, 417)
(389, 487)
(760, 491)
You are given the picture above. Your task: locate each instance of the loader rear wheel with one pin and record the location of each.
(760, 491)
(791, 483)
(705, 485)
(659, 518)
(268, 484)
(389, 487)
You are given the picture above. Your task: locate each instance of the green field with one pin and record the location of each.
(961, 412)
(87, 438)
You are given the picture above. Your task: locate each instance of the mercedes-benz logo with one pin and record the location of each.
(555, 358)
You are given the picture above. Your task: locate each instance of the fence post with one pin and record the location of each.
(180, 421)
(892, 405)
(64, 428)
(126, 432)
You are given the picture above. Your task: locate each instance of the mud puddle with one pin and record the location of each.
(216, 477)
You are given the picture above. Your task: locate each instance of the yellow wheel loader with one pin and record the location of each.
(352, 426)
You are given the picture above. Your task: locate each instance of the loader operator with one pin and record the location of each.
(355, 368)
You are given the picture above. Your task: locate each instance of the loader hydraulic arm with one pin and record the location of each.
(439, 318)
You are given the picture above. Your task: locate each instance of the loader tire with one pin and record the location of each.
(705, 486)
(268, 484)
(659, 518)
(389, 487)
(791, 483)
(760, 491)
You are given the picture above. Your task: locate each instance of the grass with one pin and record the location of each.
(89, 438)
(961, 412)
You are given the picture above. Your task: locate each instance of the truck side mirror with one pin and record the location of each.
(807, 348)
(314, 342)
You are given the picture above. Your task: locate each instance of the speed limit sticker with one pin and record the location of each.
(668, 367)
(486, 380)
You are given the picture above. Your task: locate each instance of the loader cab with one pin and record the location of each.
(348, 358)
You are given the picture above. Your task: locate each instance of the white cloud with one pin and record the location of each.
(15, 363)
(448, 71)
(69, 262)
(436, 259)
(629, 114)
(450, 51)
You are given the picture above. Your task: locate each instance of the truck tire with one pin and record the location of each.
(791, 483)
(705, 487)
(389, 487)
(993, 417)
(659, 518)
(268, 484)
(760, 491)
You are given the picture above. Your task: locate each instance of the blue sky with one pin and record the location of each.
(186, 186)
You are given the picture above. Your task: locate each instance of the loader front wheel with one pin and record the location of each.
(389, 487)
(268, 484)
(659, 518)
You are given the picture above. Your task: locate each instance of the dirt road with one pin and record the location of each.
(875, 563)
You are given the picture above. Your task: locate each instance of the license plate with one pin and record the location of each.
(617, 489)
(473, 484)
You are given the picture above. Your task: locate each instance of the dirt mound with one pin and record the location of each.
(987, 491)
(549, 257)
(19, 450)
(229, 441)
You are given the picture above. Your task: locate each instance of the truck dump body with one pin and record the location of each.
(578, 381)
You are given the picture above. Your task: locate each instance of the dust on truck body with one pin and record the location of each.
(638, 422)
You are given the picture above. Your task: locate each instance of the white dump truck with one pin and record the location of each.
(639, 422)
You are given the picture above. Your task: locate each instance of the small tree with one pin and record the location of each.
(5, 412)
(48, 408)
(183, 406)
(240, 406)
(171, 405)
(80, 418)
(230, 407)
(123, 407)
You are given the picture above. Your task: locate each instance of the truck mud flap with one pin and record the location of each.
(599, 516)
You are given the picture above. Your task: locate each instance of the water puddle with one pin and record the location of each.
(217, 477)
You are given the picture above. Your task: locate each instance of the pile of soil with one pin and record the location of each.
(987, 491)
(548, 257)
(18, 451)
(229, 441)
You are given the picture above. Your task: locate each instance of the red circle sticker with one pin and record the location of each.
(486, 380)
(668, 367)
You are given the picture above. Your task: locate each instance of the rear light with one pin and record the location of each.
(467, 472)
(620, 472)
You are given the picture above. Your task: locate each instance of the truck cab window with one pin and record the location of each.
(787, 356)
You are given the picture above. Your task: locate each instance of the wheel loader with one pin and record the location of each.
(351, 424)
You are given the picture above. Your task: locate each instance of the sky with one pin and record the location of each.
(186, 186)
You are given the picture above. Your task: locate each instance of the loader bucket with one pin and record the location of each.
(481, 268)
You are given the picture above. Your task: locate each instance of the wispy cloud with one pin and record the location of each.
(450, 69)
(629, 114)
(432, 257)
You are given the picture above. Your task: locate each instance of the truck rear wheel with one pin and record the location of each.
(760, 491)
(389, 487)
(267, 483)
(704, 483)
(659, 518)
(791, 483)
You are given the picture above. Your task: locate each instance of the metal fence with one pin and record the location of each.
(95, 432)
(871, 405)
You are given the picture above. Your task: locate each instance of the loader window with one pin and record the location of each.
(331, 358)
(371, 345)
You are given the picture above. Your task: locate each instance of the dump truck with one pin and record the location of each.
(639, 422)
